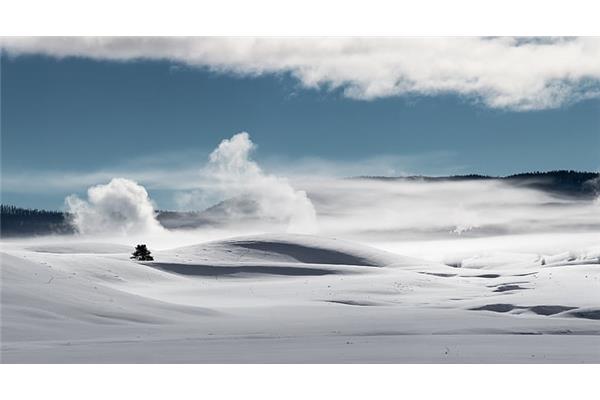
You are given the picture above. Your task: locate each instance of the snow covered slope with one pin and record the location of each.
(294, 298)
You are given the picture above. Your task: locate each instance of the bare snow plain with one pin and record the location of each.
(284, 298)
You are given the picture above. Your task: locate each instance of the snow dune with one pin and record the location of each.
(299, 255)
(294, 248)
(294, 298)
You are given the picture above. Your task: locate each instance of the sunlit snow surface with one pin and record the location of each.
(455, 272)
(297, 298)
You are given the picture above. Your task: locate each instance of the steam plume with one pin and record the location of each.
(234, 174)
(121, 206)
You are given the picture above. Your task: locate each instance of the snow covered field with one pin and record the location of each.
(302, 298)
(392, 271)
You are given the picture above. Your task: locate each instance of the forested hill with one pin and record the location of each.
(566, 183)
(17, 221)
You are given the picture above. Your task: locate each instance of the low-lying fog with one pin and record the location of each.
(434, 220)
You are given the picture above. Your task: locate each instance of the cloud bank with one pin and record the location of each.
(119, 207)
(505, 73)
(500, 72)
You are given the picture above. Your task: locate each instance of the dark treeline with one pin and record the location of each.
(15, 221)
(563, 182)
(574, 183)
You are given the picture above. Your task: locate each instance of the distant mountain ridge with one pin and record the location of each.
(237, 207)
(15, 221)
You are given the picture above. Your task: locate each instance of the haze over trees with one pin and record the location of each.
(16, 221)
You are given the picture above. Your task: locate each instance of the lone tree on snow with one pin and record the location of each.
(141, 253)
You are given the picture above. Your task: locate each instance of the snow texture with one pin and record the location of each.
(294, 298)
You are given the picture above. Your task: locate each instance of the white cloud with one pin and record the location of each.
(506, 73)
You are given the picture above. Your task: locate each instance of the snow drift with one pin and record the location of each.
(294, 298)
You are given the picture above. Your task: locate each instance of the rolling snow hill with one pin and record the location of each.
(294, 298)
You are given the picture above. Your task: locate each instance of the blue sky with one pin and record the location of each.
(79, 115)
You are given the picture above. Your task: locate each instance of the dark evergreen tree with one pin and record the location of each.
(141, 253)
